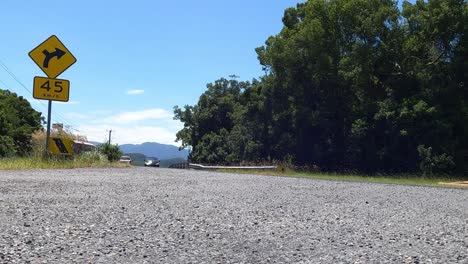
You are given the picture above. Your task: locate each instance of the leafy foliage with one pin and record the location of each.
(222, 124)
(18, 120)
(354, 85)
(91, 157)
(112, 152)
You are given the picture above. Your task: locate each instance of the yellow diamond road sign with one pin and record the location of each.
(52, 57)
(51, 89)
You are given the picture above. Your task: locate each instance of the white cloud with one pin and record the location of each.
(150, 125)
(134, 92)
(130, 134)
(129, 117)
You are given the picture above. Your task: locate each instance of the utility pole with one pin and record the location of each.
(110, 135)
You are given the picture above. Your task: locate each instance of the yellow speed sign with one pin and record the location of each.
(51, 89)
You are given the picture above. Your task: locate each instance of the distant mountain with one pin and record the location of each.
(152, 149)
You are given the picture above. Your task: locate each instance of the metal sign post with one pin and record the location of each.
(49, 114)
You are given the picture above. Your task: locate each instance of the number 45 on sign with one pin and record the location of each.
(51, 89)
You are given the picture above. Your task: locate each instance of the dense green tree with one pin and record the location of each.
(349, 85)
(18, 121)
(323, 68)
(219, 127)
(360, 85)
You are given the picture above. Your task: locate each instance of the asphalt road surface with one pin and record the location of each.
(152, 215)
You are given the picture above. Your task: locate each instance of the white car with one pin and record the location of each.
(126, 159)
(151, 161)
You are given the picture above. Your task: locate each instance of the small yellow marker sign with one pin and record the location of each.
(60, 146)
(52, 57)
(51, 89)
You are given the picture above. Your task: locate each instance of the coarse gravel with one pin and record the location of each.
(155, 215)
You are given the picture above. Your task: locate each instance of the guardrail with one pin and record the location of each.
(202, 167)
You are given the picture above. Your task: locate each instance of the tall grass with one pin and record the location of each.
(85, 160)
(392, 179)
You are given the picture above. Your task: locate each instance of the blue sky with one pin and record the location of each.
(136, 59)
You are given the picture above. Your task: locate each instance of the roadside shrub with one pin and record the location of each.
(431, 164)
(18, 120)
(7, 147)
(112, 152)
(92, 157)
(287, 164)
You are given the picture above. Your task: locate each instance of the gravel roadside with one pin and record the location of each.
(152, 215)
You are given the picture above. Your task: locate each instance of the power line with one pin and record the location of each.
(60, 117)
(14, 76)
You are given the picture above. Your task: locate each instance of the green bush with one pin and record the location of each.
(112, 152)
(431, 164)
(92, 157)
(18, 120)
(7, 146)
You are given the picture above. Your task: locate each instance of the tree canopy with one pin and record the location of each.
(18, 121)
(350, 85)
